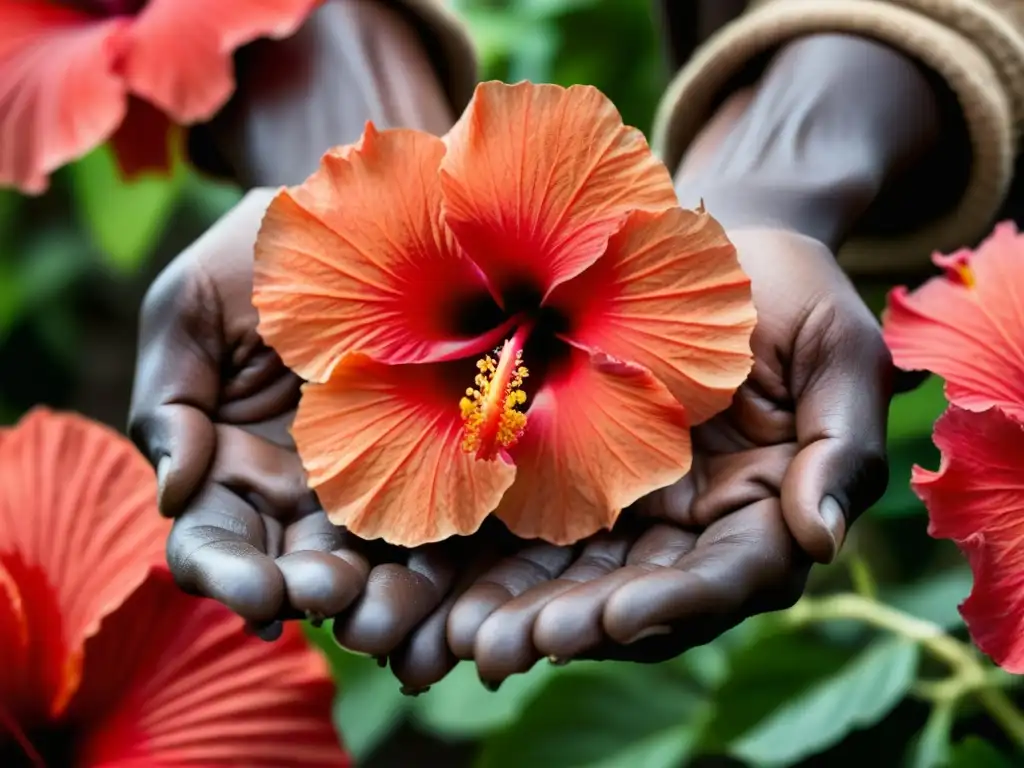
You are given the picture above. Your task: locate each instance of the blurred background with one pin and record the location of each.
(74, 265)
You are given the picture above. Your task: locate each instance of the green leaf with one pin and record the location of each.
(603, 717)
(864, 692)
(931, 748)
(125, 219)
(913, 414)
(764, 671)
(10, 202)
(973, 752)
(50, 263)
(935, 598)
(460, 707)
(899, 499)
(369, 705)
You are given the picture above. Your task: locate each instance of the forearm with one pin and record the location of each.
(832, 121)
(353, 61)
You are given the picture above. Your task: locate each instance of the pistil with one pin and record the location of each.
(491, 415)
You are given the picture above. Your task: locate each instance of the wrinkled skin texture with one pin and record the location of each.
(777, 478)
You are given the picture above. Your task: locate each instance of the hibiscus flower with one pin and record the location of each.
(105, 661)
(72, 73)
(968, 327)
(543, 229)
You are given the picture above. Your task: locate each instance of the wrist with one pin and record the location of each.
(353, 61)
(833, 120)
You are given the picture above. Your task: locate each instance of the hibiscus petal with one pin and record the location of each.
(356, 260)
(668, 294)
(537, 177)
(59, 93)
(977, 499)
(179, 57)
(382, 446)
(994, 611)
(79, 531)
(175, 680)
(968, 331)
(600, 434)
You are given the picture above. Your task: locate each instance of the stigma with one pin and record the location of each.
(491, 415)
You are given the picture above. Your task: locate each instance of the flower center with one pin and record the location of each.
(490, 412)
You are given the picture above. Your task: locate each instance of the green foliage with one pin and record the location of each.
(125, 219)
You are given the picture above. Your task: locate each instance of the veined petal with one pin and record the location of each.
(356, 260)
(668, 294)
(977, 499)
(968, 326)
(172, 679)
(538, 177)
(60, 95)
(179, 55)
(600, 434)
(994, 611)
(382, 446)
(79, 531)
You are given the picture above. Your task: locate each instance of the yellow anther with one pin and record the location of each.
(490, 417)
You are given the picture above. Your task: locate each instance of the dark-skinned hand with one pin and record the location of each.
(777, 479)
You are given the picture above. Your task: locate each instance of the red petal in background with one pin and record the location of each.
(179, 57)
(143, 141)
(538, 177)
(668, 294)
(79, 531)
(977, 499)
(600, 434)
(60, 95)
(968, 326)
(175, 680)
(356, 260)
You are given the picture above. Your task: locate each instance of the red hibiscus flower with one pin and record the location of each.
(968, 327)
(543, 229)
(105, 661)
(73, 73)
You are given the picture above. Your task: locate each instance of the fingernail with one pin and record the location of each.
(659, 629)
(558, 662)
(835, 521)
(408, 690)
(267, 632)
(491, 685)
(163, 469)
(382, 661)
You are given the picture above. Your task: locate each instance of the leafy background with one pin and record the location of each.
(849, 677)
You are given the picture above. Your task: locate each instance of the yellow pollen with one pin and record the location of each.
(490, 416)
(966, 275)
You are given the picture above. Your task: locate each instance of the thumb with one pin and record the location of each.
(840, 468)
(177, 381)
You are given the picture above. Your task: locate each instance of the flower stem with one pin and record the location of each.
(970, 676)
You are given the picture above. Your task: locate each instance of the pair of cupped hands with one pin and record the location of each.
(776, 481)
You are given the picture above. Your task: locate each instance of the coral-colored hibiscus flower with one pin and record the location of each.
(977, 500)
(104, 660)
(540, 220)
(74, 72)
(968, 327)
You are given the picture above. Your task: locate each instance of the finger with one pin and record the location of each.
(840, 468)
(744, 564)
(425, 658)
(396, 599)
(325, 568)
(504, 642)
(534, 564)
(218, 549)
(177, 379)
(570, 625)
